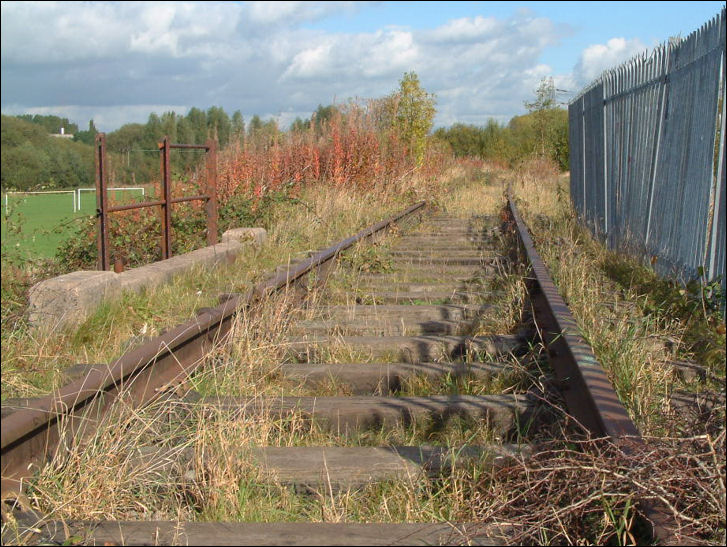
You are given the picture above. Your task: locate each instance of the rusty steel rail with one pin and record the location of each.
(583, 382)
(31, 434)
(586, 388)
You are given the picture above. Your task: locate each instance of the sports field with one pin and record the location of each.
(34, 225)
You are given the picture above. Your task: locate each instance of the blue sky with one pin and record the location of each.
(117, 62)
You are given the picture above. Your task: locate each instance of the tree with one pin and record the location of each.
(299, 125)
(153, 132)
(543, 103)
(238, 127)
(86, 137)
(254, 127)
(550, 124)
(322, 116)
(414, 116)
(198, 122)
(169, 126)
(218, 125)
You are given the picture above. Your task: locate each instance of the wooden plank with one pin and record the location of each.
(370, 378)
(260, 533)
(432, 297)
(453, 312)
(340, 468)
(390, 326)
(409, 349)
(351, 413)
(427, 259)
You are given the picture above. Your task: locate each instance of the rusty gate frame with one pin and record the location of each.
(165, 147)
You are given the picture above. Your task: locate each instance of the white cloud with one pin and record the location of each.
(257, 57)
(294, 13)
(465, 29)
(597, 58)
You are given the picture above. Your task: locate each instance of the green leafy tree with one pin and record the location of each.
(254, 127)
(414, 114)
(218, 125)
(52, 124)
(322, 116)
(34, 160)
(198, 122)
(169, 126)
(299, 125)
(86, 137)
(547, 120)
(238, 127)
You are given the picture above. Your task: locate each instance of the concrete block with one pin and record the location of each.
(68, 299)
(153, 275)
(244, 235)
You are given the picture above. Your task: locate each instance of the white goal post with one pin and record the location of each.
(75, 195)
(77, 200)
(72, 192)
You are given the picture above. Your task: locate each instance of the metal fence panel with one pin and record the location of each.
(644, 173)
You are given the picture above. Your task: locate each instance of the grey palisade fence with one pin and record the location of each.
(647, 153)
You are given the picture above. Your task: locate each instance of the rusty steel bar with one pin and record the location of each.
(141, 205)
(202, 197)
(165, 203)
(193, 146)
(166, 197)
(103, 261)
(29, 435)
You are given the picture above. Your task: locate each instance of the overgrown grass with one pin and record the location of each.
(225, 484)
(636, 323)
(33, 360)
(556, 497)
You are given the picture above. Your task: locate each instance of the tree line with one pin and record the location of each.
(542, 132)
(33, 160)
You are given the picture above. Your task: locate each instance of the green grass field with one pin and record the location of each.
(34, 225)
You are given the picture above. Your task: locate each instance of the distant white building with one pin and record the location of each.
(62, 134)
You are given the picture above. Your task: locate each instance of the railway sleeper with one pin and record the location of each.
(262, 533)
(425, 259)
(391, 326)
(346, 415)
(409, 349)
(384, 378)
(324, 469)
(413, 298)
(438, 312)
(410, 286)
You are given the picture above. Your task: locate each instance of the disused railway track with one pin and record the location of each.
(431, 338)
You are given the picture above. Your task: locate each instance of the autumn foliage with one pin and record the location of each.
(349, 149)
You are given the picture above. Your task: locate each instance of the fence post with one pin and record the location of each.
(661, 112)
(718, 197)
(166, 199)
(101, 203)
(211, 205)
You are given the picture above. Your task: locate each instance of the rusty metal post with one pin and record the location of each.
(166, 198)
(211, 204)
(101, 203)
